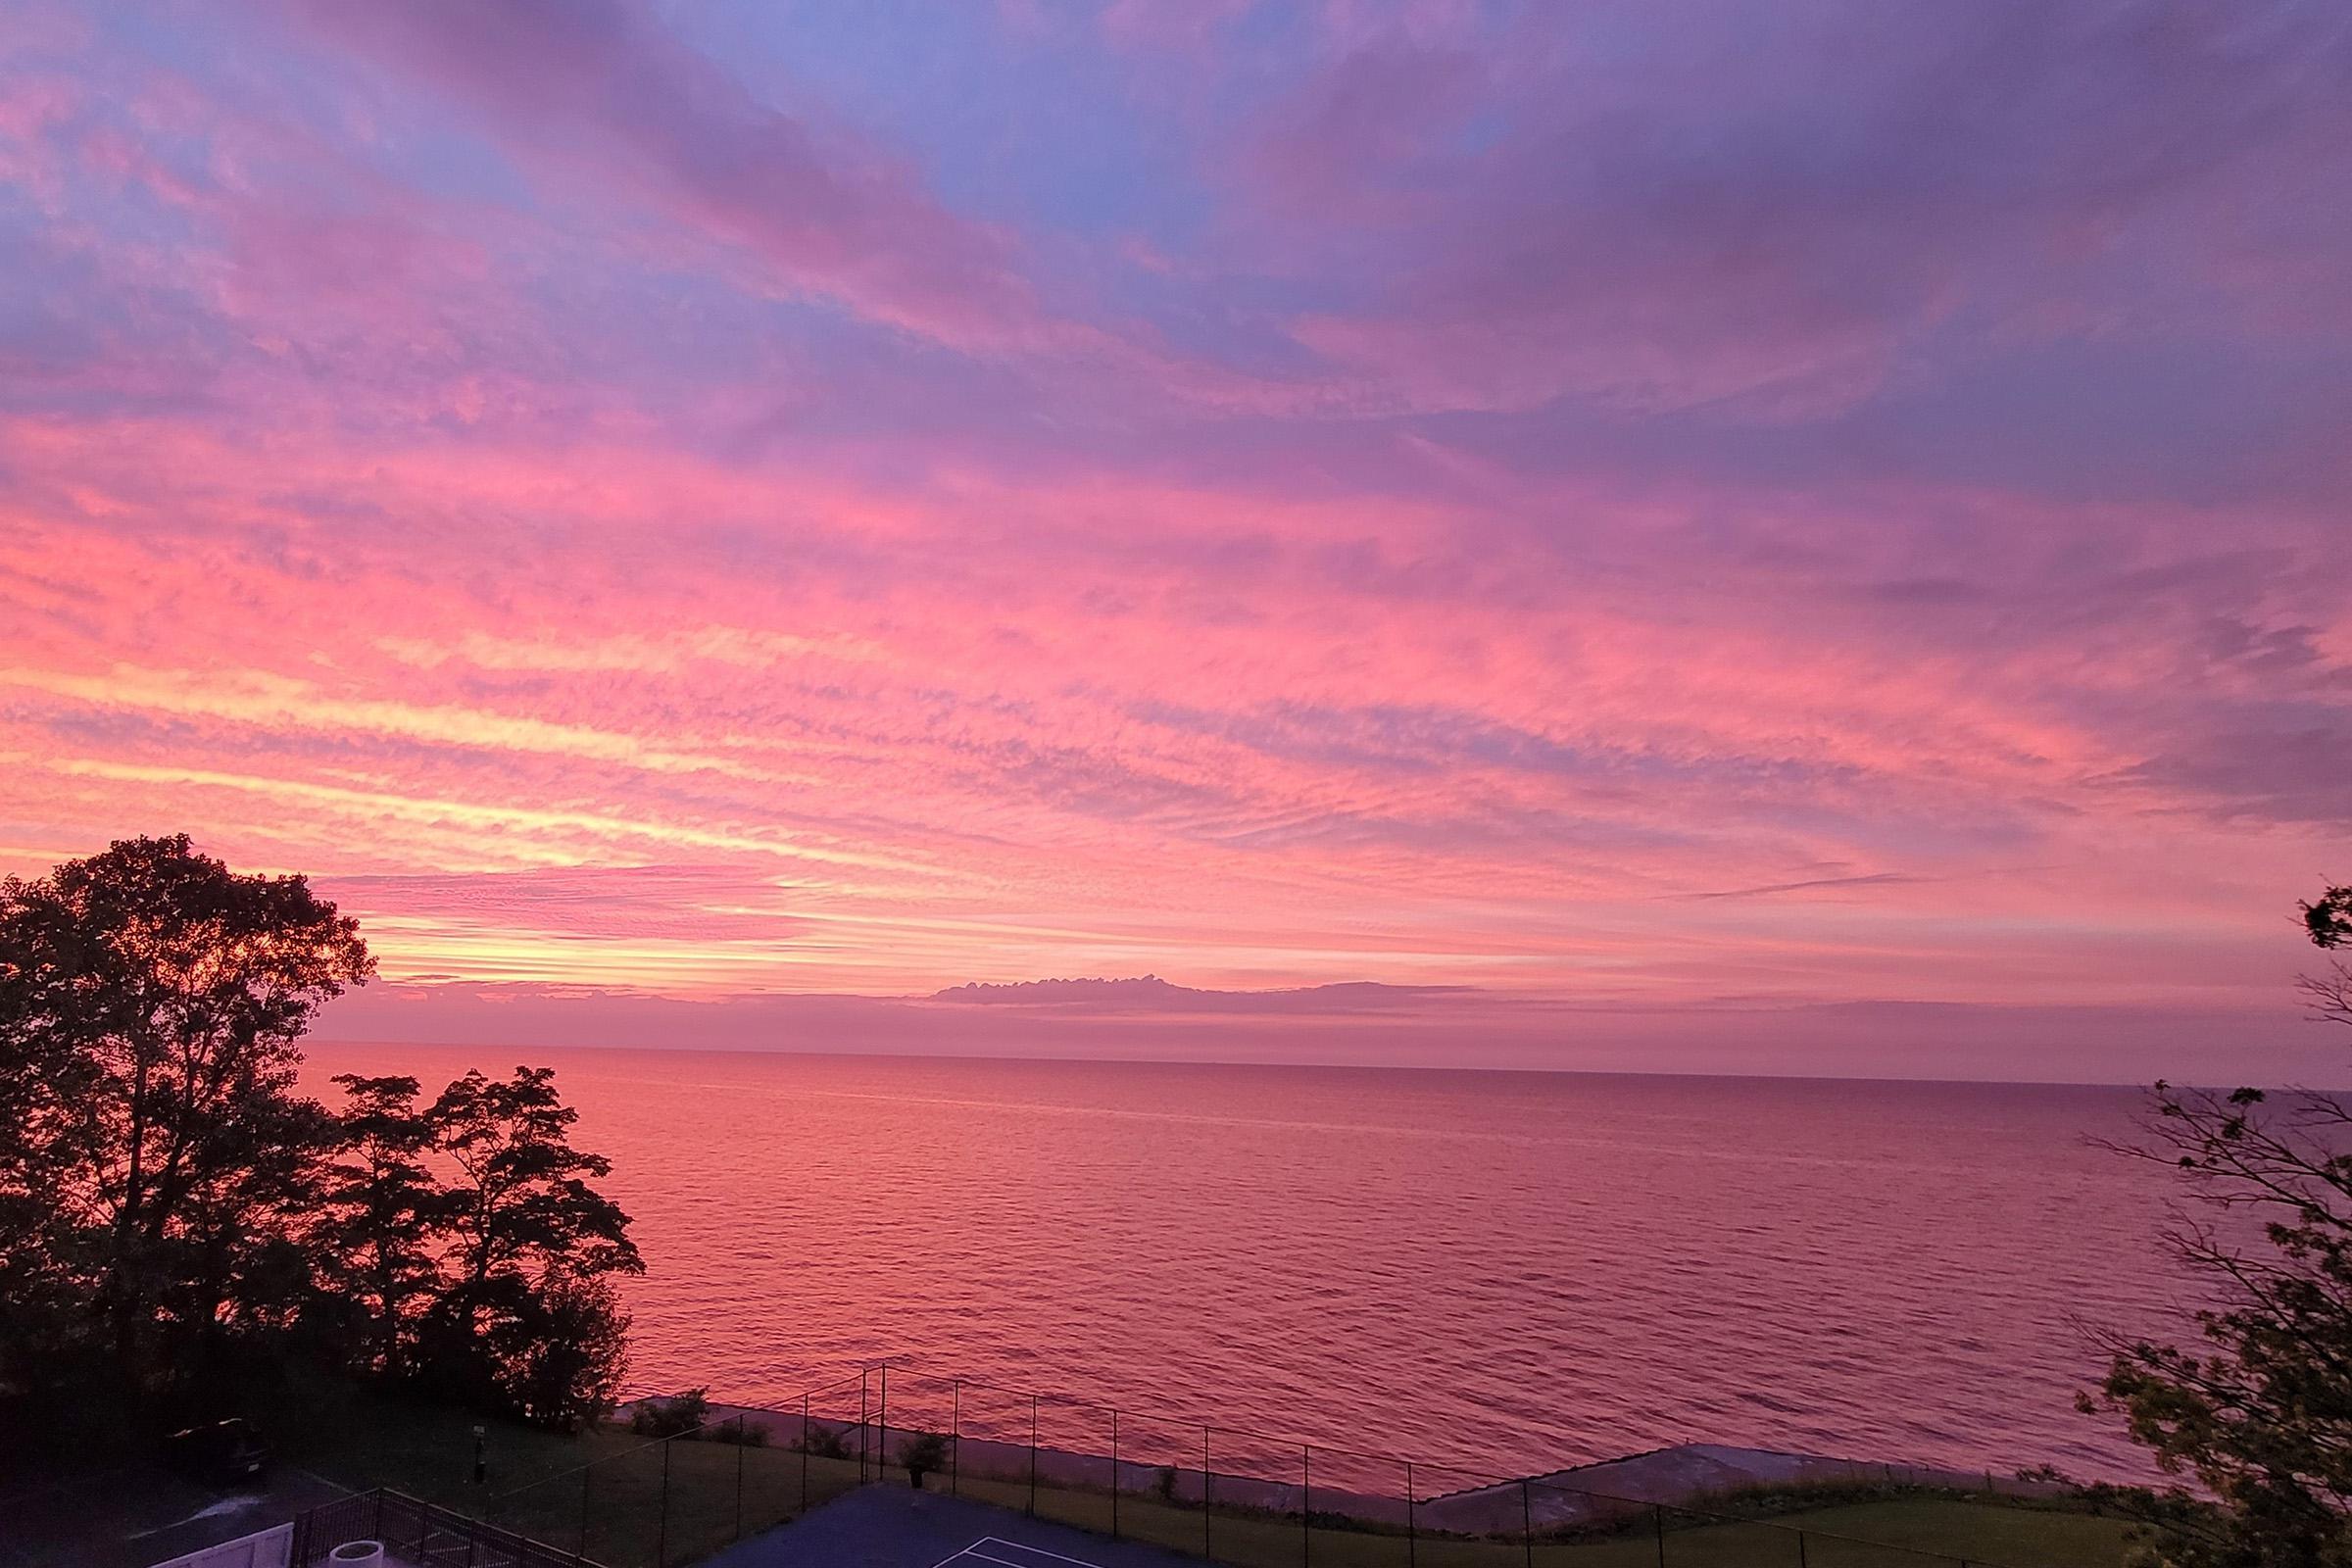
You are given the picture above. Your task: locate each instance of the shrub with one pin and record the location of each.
(822, 1443)
(671, 1417)
(750, 1434)
(922, 1454)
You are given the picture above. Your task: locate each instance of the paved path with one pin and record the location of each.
(132, 1515)
(896, 1527)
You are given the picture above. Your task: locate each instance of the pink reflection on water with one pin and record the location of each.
(1507, 1271)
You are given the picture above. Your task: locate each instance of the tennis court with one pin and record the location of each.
(898, 1527)
(1012, 1555)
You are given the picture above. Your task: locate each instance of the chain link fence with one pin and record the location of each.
(1225, 1493)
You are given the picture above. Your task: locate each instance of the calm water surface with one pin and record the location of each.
(1508, 1270)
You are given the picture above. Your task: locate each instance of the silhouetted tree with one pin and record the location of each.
(532, 1249)
(175, 1217)
(2261, 1415)
(557, 1350)
(384, 1217)
(150, 1001)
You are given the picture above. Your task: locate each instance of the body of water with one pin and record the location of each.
(1510, 1271)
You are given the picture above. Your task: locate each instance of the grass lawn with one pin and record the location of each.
(1869, 1535)
(423, 1451)
(1987, 1533)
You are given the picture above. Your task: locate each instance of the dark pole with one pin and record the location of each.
(1527, 1524)
(1032, 1456)
(1114, 1475)
(481, 1468)
(862, 1374)
(587, 1490)
(956, 1444)
(1205, 1549)
(661, 1534)
(1307, 1529)
(1800, 1550)
(882, 1437)
(1657, 1515)
(1413, 1553)
(740, 1434)
(803, 1454)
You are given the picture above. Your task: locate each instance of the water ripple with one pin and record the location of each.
(1507, 1271)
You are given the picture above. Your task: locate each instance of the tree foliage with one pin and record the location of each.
(530, 1247)
(173, 1211)
(2260, 1415)
(156, 1157)
(381, 1218)
(522, 1205)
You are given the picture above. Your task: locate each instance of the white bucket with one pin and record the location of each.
(358, 1554)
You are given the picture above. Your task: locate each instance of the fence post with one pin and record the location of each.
(882, 1430)
(804, 1453)
(956, 1444)
(1800, 1550)
(741, 1433)
(1114, 1475)
(1306, 1527)
(1207, 1548)
(1658, 1520)
(1032, 1456)
(1527, 1524)
(863, 1373)
(1412, 1545)
(661, 1531)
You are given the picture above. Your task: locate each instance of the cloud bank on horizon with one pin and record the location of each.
(1823, 510)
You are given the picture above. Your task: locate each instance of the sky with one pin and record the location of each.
(1791, 536)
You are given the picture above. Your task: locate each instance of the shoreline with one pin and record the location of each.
(1602, 1492)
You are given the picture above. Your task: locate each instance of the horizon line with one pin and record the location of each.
(1311, 1066)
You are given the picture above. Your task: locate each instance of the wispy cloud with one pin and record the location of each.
(1875, 879)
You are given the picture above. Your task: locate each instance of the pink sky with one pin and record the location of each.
(1805, 537)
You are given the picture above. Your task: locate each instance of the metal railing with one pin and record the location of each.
(420, 1532)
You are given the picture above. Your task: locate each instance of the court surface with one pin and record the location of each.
(898, 1527)
(1011, 1555)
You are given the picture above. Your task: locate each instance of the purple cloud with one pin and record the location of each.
(1676, 208)
(598, 94)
